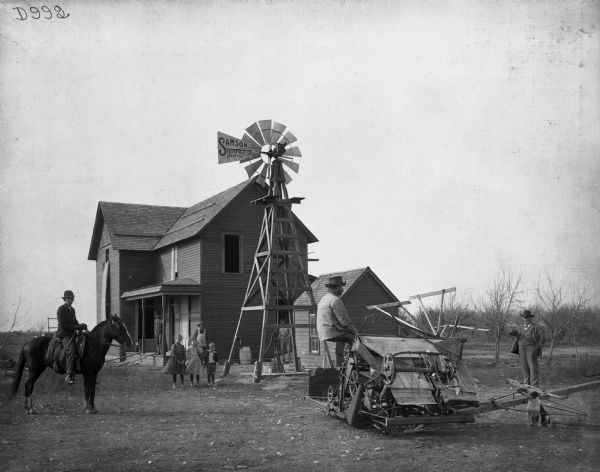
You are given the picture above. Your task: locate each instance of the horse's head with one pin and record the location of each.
(119, 331)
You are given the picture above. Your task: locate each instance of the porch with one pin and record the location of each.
(177, 304)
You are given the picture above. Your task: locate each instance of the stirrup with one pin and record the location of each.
(69, 379)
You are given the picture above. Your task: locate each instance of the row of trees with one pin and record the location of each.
(565, 314)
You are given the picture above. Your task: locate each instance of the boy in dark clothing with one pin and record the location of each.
(210, 361)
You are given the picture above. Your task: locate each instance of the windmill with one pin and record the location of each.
(279, 274)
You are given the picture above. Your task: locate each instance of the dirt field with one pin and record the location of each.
(145, 425)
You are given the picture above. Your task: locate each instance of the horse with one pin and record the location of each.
(34, 355)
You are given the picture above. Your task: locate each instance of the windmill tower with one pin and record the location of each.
(279, 273)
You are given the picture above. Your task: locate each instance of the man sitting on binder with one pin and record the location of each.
(333, 322)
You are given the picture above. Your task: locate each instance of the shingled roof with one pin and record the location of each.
(351, 277)
(195, 218)
(133, 226)
(148, 227)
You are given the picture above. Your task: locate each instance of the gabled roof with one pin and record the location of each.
(148, 227)
(351, 277)
(132, 226)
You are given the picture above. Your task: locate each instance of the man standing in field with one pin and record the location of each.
(333, 322)
(158, 332)
(67, 325)
(531, 340)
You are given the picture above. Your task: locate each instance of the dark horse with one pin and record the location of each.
(34, 355)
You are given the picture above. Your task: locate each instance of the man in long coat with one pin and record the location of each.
(531, 340)
(333, 322)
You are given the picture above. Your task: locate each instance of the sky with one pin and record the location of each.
(440, 142)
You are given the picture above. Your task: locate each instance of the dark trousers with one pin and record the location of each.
(339, 341)
(529, 355)
(68, 341)
(211, 369)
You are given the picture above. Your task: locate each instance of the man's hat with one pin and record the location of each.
(527, 314)
(68, 294)
(335, 281)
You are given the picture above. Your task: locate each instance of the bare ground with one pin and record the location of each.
(145, 425)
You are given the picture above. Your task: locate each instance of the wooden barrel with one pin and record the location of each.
(245, 355)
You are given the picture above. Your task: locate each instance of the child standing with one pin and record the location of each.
(176, 364)
(210, 360)
(194, 364)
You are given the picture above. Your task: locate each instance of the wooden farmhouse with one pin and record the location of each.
(187, 264)
(362, 288)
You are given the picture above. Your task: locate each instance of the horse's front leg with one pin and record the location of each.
(90, 393)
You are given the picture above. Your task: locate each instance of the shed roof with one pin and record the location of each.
(184, 286)
(352, 278)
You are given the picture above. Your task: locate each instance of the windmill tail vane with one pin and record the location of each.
(265, 149)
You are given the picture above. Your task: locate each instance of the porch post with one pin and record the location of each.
(143, 320)
(163, 348)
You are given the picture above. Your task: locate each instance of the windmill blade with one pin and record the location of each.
(276, 132)
(261, 181)
(293, 152)
(287, 177)
(262, 177)
(251, 143)
(264, 172)
(288, 138)
(292, 165)
(252, 168)
(253, 155)
(265, 128)
(254, 131)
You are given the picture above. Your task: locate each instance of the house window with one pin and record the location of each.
(173, 262)
(313, 337)
(232, 254)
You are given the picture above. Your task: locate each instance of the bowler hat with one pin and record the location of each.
(335, 281)
(68, 294)
(527, 314)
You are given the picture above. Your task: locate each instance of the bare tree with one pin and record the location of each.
(560, 310)
(499, 304)
(9, 323)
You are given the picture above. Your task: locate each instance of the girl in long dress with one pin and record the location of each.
(194, 363)
(176, 364)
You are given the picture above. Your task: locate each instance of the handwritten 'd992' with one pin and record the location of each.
(43, 12)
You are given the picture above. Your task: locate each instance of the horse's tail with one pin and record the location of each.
(19, 373)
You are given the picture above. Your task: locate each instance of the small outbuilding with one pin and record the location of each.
(363, 288)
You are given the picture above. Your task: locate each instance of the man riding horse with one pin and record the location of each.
(67, 327)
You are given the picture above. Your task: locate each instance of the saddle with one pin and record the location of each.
(56, 354)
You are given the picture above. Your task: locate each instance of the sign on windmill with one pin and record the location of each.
(234, 149)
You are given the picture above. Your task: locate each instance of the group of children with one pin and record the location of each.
(194, 362)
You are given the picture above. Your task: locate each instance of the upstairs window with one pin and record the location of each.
(232, 254)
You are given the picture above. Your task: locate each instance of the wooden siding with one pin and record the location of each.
(369, 292)
(188, 260)
(114, 260)
(302, 340)
(223, 293)
(163, 265)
